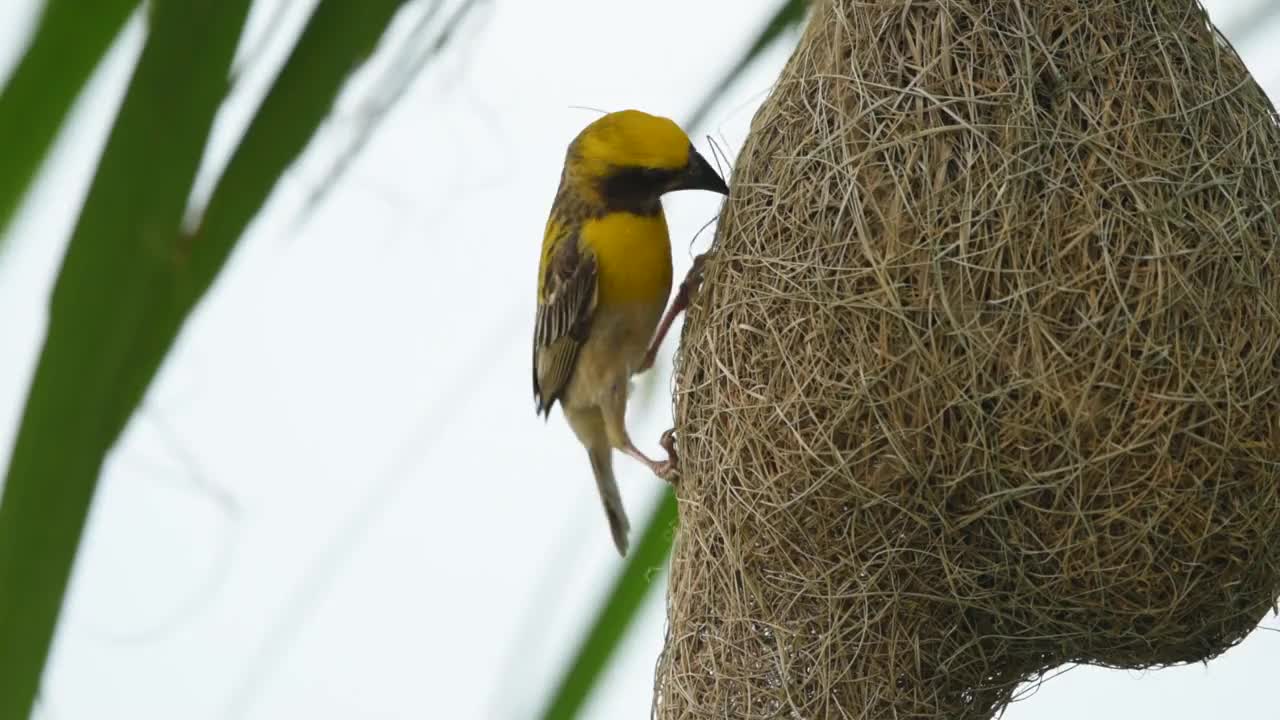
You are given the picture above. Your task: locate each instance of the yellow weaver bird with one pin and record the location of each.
(603, 280)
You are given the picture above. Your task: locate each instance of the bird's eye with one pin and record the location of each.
(638, 181)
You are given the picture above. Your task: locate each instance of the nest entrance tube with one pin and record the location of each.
(984, 376)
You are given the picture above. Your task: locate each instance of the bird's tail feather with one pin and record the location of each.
(602, 468)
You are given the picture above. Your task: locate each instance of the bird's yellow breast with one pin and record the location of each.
(633, 256)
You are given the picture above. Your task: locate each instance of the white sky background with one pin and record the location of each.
(337, 501)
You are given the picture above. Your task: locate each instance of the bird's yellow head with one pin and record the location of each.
(630, 158)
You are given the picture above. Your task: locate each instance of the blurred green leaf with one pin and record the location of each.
(131, 277)
(424, 43)
(338, 37)
(788, 15)
(617, 613)
(116, 261)
(69, 41)
(632, 585)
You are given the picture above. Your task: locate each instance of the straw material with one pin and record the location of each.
(985, 374)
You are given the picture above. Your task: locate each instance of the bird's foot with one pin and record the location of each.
(668, 469)
(684, 296)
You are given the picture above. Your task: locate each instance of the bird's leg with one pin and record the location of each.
(613, 408)
(666, 469)
(684, 296)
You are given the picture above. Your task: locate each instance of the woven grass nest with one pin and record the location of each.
(984, 377)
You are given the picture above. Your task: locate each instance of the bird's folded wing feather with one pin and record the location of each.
(565, 305)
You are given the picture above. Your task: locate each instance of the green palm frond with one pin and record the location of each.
(132, 275)
(70, 40)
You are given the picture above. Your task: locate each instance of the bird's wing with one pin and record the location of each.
(566, 301)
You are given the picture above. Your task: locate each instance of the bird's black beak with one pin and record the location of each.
(700, 176)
